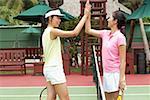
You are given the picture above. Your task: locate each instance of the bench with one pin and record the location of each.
(12, 59)
(33, 55)
(38, 68)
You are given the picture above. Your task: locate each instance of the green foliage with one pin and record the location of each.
(146, 20)
(133, 5)
(72, 41)
(8, 14)
(69, 25)
(11, 8)
(27, 4)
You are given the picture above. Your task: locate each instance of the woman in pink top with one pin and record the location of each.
(113, 54)
(53, 67)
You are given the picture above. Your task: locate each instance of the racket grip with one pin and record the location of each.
(120, 95)
(120, 92)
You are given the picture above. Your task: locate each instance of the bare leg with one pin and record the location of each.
(122, 96)
(112, 95)
(109, 96)
(62, 91)
(51, 94)
(115, 95)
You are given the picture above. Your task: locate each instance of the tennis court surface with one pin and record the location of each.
(80, 87)
(76, 93)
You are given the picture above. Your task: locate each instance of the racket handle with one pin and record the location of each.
(120, 92)
(120, 95)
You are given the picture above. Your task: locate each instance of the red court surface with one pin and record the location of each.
(72, 80)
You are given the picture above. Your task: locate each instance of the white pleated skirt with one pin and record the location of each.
(55, 75)
(111, 82)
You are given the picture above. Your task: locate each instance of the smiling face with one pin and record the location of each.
(55, 21)
(111, 21)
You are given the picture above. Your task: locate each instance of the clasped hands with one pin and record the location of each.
(87, 9)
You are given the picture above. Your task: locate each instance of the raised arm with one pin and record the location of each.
(57, 32)
(88, 29)
(61, 33)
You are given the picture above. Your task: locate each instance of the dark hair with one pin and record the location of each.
(47, 19)
(121, 20)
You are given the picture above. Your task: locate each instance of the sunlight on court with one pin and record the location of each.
(76, 93)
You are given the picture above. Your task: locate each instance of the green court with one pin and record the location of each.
(76, 93)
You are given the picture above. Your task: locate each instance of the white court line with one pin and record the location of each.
(138, 85)
(21, 87)
(138, 94)
(44, 87)
(70, 86)
(72, 95)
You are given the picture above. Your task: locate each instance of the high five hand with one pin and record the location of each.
(87, 7)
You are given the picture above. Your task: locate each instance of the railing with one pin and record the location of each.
(98, 7)
(12, 58)
(29, 52)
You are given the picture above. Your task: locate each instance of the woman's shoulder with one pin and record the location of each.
(106, 32)
(121, 35)
(48, 29)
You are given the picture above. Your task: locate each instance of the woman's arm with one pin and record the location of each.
(57, 32)
(88, 29)
(61, 33)
(93, 32)
(122, 55)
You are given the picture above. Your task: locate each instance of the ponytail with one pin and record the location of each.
(121, 21)
(123, 30)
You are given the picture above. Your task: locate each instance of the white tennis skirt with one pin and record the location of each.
(55, 75)
(111, 82)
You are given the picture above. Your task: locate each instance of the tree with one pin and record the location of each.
(11, 8)
(134, 5)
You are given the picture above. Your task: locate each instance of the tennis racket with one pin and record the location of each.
(120, 95)
(41, 93)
